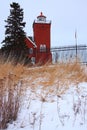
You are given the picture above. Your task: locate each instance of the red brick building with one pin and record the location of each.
(39, 45)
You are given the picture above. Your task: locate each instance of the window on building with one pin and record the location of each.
(30, 50)
(42, 19)
(33, 60)
(42, 48)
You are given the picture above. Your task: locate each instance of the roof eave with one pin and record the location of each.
(35, 46)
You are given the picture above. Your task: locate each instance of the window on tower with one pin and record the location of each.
(42, 19)
(42, 48)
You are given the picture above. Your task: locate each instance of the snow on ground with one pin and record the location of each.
(53, 112)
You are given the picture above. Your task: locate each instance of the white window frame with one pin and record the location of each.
(43, 48)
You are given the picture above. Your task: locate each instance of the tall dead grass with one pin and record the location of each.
(55, 78)
(10, 91)
(51, 79)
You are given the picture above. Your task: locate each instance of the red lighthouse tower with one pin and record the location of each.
(41, 30)
(39, 45)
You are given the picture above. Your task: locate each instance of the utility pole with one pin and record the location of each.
(76, 43)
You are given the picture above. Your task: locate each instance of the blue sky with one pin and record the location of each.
(66, 16)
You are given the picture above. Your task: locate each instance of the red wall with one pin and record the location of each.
(43, 58)
(30, 45)
(42, 34)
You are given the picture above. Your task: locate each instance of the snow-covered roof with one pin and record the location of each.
(30, 39)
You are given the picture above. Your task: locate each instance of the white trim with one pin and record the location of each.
(32, 42)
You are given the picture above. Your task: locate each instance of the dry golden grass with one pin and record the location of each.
(62, 72)
(10, 92)
(49, 79)
(54, 79)
(46, 76)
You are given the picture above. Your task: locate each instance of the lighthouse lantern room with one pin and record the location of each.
(41, 18)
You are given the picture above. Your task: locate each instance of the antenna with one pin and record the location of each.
(76, 42)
